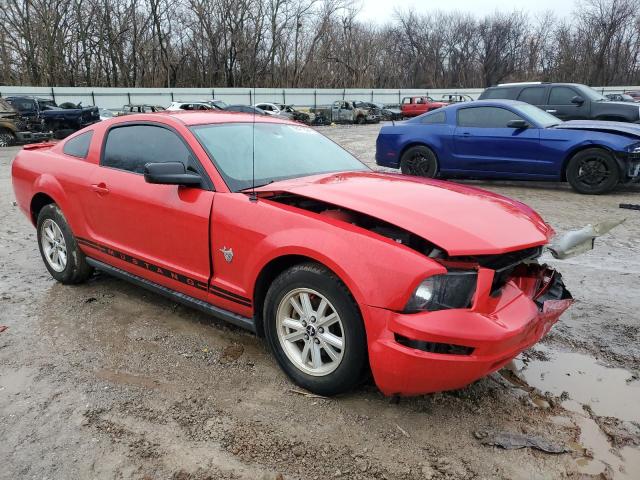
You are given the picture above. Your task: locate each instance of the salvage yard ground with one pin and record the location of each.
(105, 380)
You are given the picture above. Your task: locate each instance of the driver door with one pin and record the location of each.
(159, 232)
(485, 146)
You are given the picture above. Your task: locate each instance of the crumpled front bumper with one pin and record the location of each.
(412, 354)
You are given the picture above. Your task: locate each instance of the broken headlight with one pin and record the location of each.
(454, 289)
(634, 148)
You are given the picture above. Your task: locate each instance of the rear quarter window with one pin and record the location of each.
(434, 118)
(78, 146)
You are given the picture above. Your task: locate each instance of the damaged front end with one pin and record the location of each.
(515, 302)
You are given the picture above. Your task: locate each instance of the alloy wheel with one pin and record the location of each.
(53, 245)
(6, 139)
(310, 331)
(592, 171)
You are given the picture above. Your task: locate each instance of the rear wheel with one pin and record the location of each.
(593, 171)
(314, 328)
(7, 138)
(59, 249)
(419, 161)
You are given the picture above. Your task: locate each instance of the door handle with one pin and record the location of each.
(552, 111)
(100, 188)
(466, 134)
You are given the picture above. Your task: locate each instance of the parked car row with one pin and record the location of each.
(542, 132)
(27, 119)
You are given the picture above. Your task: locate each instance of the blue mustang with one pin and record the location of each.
(505, 139)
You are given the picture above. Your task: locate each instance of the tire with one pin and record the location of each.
(593, 172)
(54, 233)
(419, 161)
(360, 120)
(7, 138)
(326, 369)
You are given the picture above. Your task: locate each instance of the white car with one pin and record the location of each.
(270, 108)
(189, 106)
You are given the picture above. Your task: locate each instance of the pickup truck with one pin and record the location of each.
(16, 129)
(61, 121)
(566, 101)
(270, 225)
(414, 106)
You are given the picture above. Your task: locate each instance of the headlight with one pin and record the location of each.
(441, 292)
(634, 148)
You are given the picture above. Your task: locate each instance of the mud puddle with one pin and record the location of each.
(586, 389)
(609, 392)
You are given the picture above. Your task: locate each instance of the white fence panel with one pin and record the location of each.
(115, 98)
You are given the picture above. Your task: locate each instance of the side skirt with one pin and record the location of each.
(187, 300)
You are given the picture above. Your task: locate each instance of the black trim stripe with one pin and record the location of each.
(206, 307)
(165, 272)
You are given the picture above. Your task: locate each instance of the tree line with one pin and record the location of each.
(309, 43)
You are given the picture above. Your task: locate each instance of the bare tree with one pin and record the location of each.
(312, 43)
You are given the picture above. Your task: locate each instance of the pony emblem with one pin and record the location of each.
(228, 254)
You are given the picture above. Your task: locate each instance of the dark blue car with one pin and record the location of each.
(505, 139)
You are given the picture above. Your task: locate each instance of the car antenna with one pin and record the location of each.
(252, 196)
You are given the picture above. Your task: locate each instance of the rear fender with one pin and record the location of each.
(50, 186)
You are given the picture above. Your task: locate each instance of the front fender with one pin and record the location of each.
(376, 273)
(377, 270)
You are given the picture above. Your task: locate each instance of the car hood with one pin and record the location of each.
(5, 107)
(459, 219)
(621, 128)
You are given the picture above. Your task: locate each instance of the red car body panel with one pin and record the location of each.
(174, 237)
(447, 214)
(414, 106)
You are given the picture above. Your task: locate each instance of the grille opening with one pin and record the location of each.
(433, 347)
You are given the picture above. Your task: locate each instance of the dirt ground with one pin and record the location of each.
(107, 381)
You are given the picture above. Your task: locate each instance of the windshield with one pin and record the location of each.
(592, 95)
(281, 151)
(539, 116)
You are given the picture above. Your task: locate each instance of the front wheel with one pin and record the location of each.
(59, 249)
(419, 161)
(7, 138)
(593, 171)
(315, 331)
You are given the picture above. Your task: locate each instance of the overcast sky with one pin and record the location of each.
(382, 10)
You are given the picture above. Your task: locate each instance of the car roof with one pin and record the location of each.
(535, 84)
(483, 103)
(200, 117)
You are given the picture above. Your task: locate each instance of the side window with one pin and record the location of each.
(501, 92)
(485, 117)
(561, 96)
(132, 147)
(532, 95)
(78, 146)
(433, 118)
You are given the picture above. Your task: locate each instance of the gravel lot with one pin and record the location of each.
(107, 381)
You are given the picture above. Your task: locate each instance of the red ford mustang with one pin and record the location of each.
(429, 285)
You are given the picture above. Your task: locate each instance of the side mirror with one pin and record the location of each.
(170, 173)
(578, 100)
(517, 124)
